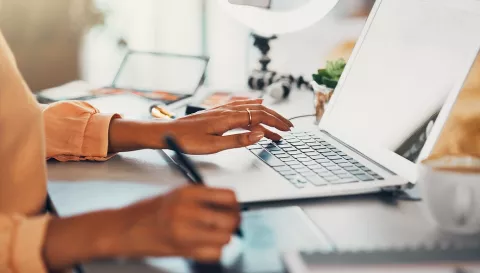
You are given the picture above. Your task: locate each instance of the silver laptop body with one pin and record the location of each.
(386, 114)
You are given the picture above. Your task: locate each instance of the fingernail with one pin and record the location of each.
(255, 136)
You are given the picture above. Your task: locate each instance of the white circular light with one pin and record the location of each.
(266, 22)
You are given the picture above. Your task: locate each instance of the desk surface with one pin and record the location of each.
(368, 221)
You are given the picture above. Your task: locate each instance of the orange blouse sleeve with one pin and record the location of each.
(21, 240)
(76, 131)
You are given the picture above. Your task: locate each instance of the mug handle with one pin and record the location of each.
(463, 204)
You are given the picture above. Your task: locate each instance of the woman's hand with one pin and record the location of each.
(203, 133)
(193, 222)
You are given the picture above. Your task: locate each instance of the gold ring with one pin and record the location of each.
(249, 117)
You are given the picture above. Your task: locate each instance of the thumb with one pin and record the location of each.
(238, 140)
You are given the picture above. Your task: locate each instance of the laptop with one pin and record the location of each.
(404, 76)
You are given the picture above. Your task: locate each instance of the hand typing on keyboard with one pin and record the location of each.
(203, 132)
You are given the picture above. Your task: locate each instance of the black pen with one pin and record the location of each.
(187, 167)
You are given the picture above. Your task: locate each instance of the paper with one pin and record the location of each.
(68, 91)
(127, 105)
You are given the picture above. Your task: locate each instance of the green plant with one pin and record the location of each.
(330, 75)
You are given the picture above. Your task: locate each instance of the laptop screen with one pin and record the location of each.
(412, 56)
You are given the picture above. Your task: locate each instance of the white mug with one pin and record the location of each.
(452, 199)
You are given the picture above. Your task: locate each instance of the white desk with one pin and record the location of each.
(350, 222)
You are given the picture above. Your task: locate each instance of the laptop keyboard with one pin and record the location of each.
(304, 158)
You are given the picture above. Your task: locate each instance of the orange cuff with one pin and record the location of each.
(95, 140)
(76, 131)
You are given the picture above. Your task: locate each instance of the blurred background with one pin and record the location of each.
(57, 41)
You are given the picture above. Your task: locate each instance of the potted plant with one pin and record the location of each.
(324, 83)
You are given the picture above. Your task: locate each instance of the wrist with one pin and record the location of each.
(78, 239)
(129, 135)
(154, 132)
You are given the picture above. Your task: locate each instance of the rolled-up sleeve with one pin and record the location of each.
(76, 131)
(21, 241)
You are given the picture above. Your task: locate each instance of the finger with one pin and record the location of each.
(267, 133)
(213, 196)
(211, 219)
(262, 107)
(238, 140)
(192, 234)
(206, 254)
(241, 102)
(241, 119)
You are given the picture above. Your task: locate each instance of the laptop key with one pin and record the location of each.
(298, 156)
(327, 164)
(313, 167)
(289, 172)
(316, 180)
(274, 150)
(294, 152)
(310, 163)
(332, 168)
(303, 147)
(302, 170)
(321, 160)
(345, 181)
(316, 167)
(304, 159)
(364, 177)
(282, 168)
(309, 173)
(350, 168)
(288, 149)
(317, 147)
(357, 172)
(327, 174)
(267, 157)
(296, 165)
(378, 177)
(283, 156)
(296, 143)
(288, 159)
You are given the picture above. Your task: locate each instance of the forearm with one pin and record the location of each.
(78, 239)
(129, 135)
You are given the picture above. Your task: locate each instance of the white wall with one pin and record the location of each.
(175, 26)
(301, 53)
